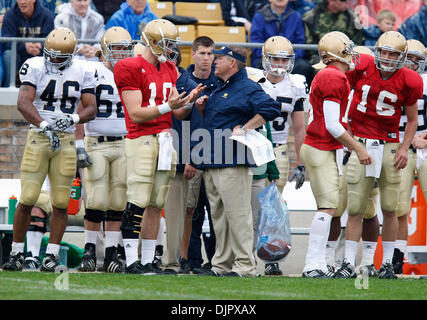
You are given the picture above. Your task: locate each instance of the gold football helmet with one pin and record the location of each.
(116, 44)
(59, 48)
(416, 57)
(160, 36)
(274, 48)
(365, 50)
(391, 41)
(337, 46)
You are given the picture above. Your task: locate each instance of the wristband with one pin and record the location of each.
(80, 143)
(43, 124)
(164, 108)
(189, 106)
(76, 118)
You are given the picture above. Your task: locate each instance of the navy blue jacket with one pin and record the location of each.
(234, 103)
(371, 34)
(415, 27)
(184, 83)
(15, 25)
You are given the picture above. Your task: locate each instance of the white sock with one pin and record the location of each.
(401, 245)
(53, 248)
(368, 252)
(90, 236)
(18, 247)
(131, 250)
(112, 238)
(34, 241)
(319, 233)
(388, 250)
(147, 251)
(330, 252)
(350, 251)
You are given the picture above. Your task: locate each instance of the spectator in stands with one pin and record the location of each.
(107, 8)
(302, 6)
(253, 6)
(133, 16)
(27, 19)
(415, 27)
(84, 22)
(386, 20)
(234, 13)
(327, 16)
(278, 19)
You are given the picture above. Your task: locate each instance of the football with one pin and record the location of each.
(274, 250)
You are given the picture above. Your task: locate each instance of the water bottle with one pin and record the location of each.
(12, 207)
(75, 194)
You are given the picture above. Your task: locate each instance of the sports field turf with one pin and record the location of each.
(102, 286)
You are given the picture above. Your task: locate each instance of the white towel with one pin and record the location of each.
(421, 155)
(165, 151)
(339, 155)
(376, 151)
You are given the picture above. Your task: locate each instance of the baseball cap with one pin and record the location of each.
(225, 51)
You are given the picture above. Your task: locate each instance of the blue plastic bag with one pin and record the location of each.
(273, 231)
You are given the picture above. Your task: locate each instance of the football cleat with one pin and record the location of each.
(233, 274)
(31, 263)
(386, 271)
(88, 263)
(184, 266)
(315, 274)
(331, 271)
(272, 269)
(121, 255)
(397, 261)
(205, 272)
(345, 271)
(369, 270)
(111, 261)
(138, 268)
(51, 263)
(15, 262)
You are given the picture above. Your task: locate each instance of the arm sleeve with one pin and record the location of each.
(28, 73)
(331, 112)
(90, 79)
(264, 105)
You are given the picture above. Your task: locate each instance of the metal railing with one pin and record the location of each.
(15, 40)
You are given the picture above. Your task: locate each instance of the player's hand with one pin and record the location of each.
(363, 155)
(299, 175)
(62, 123)
(55, 143)
(238, 130)
(83, 160)
(189, 171)
(177, 100)
(401, 159)
(195, 93)
(201, 103)
(420, 141)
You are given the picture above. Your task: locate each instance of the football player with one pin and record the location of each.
(415, 60)
(52, 87)
(146, 85)
(323, 145)
(381, 88)
(105, 164)
(290, 90)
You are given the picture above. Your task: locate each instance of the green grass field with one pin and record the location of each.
(102, 286)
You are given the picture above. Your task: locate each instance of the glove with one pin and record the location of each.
(299, 175)
(55, 143)
(63, 123)
(83, 159)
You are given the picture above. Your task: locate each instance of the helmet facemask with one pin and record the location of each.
(278, 69)
(55, 61)
(347, 56)
(112, 54)
(163, 49)
(389, 65)
(417, 63)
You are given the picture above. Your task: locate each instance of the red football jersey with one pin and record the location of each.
(136, 73)
(328, 84)
(376, 107)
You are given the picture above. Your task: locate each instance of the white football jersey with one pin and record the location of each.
(422, 113)
(57, 94)
(291, 89)
(110, 118)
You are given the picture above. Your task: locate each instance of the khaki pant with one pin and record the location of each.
(229, 194)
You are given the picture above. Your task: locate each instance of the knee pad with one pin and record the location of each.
(34, 227)
(96, 216)
(114, 215)
(131, 221)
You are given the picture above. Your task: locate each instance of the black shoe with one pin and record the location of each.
(207, 266)
(397, 261)
(331, 271)
(31, 263)
(137, 268)
(51, 264)
(272, 269)
(169, 272)
(121, 255)
(233, 274)
(347, 270)
(158, 252)
(315, 274)
(157, 266)
(205, 272)
(157, 263)
(111, 261)
(184, 266)
(15, 262)
(386, 271)
(88, 263)
(368, 270)
(149, 269)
